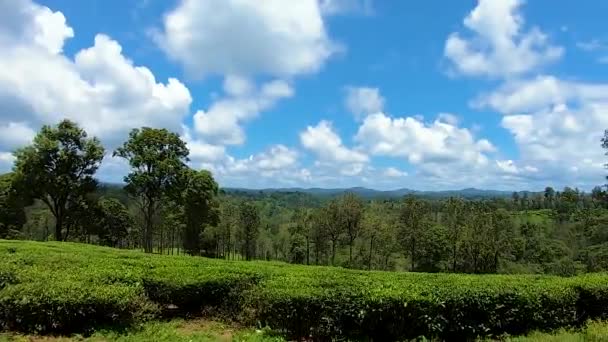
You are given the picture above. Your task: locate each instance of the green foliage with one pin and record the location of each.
(200, 209)
(58, 169)
(12, 206)
(249, 218)
(114, 222)
(67, 288)
(157, 158)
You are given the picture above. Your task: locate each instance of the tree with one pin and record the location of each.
(58, 168)
(249, 218)
(332, 225)
(115, 222)
(351, 212)
(157, 158)
(12, 205)
(549, 196)
(200, 207)
(413, 221)
(455, 224)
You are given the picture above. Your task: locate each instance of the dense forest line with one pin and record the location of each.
(166, 207)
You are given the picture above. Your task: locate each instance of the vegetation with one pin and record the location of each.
(165, 207)
(48, 287)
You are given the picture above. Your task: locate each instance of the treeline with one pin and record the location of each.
(166, 207)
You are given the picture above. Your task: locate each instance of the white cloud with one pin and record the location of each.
(394, 172)
(99, 88)
(247, 37)
(277, 166)
(362, 101)
(6, 161)
(332, 7)
(15, 134)
(540, 92)
(591, 45)
(421, 143)
(557, 126)
(45, 29)
(221, 123)
(327, 145)
(331, 153)
(498, 45)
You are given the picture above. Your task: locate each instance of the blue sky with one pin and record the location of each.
(384, 94)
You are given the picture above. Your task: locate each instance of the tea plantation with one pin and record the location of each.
(65, 288)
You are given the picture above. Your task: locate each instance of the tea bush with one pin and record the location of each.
(65, 287)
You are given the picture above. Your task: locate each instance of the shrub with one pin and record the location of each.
(67, 288)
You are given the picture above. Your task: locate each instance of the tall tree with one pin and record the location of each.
(12, 205)
(249, 218)
(351, 212)
(413, 222)
(334, 229)
(157, 158)
(549, 197)
(455, 223)
(58, 168)
(200, 207)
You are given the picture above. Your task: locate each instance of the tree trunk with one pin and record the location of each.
(454, 257)
(371, 248)
(58, 226)
(350, 253)
(148, 230)
(413, 253)
(333, 252)
(307, 251)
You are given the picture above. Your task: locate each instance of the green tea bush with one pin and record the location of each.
(66, 288)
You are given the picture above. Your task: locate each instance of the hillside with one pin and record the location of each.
(74, 288)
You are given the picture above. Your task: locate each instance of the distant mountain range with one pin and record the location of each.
(371, 193)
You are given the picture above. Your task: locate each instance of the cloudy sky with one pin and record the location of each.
(436, 94)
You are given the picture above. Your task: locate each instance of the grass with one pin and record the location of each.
(196, 330)
(592, 332)
(199, 330)
(66, 288)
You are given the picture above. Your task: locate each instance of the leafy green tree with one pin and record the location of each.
(549, 196)
(319, 235)
(332, 225)
(200, 207)
(413, 219)
(115, 222)
(58, 168)
(157, 158)
(351, 212)
(249, 218)
(455, 217)
(12, 206)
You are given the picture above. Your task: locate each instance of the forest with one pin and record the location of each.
(166, 207)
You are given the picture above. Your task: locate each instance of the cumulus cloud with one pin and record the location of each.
(421, 143)
(394, 172)
(362, 101)
(247, 37)
(556, 125)
(499, 45)
(221, 123)
(277, 166)
(99, 88)
(15, 134)
(328, 146)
